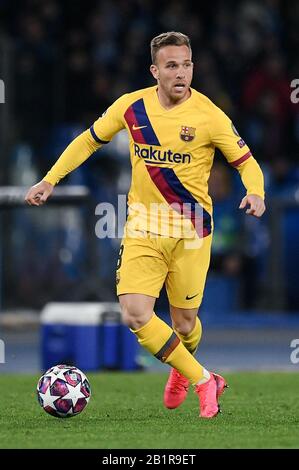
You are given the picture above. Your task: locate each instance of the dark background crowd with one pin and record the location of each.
(64, 63)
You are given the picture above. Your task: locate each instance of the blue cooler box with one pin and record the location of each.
(89, 335)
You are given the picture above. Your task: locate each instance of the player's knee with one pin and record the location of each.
(184, 327)
(133, 316)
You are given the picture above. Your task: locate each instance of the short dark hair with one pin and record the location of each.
(171, 38)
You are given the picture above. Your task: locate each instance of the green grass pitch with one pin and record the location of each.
(260, 410)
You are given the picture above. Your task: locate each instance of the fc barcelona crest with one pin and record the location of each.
(187, 133)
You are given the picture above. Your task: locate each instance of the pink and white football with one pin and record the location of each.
(63, 391)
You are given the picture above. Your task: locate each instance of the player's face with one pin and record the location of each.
(173, 71)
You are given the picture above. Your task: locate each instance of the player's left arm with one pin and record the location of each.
(225, 137)
(253, 180)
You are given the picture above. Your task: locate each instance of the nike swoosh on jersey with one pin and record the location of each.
(136, 114)
(135, 128)
(189, 298)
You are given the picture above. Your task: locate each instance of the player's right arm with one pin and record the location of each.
(81, 148)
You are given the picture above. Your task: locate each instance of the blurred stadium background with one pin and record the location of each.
(63, 64)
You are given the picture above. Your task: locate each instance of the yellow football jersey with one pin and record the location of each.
(171, 153)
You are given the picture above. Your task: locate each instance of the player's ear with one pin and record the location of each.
(154, 71)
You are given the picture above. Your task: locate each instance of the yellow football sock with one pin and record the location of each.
(160, 340)
(191, 340)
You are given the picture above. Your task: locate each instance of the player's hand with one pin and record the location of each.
(39, 193)
(256, 205)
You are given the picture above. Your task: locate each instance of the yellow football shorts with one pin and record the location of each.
(147, 261)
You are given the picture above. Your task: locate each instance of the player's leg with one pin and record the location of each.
(185, 285)
(160, 340)
(187, 326)
(140, 271)
(137, 309)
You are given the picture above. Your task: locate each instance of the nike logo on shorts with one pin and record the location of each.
(135, 128)
(192, 297)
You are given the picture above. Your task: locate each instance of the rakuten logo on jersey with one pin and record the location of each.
(152, 155)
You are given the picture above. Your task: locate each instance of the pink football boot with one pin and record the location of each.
(208, 394)
(176, 389)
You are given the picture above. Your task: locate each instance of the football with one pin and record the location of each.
(63, 391)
